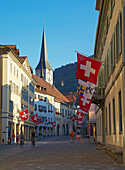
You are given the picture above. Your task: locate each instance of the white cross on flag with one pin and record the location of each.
(35, 118)
(24, 115)
(79, 116)
(84, 103)
(87, 68)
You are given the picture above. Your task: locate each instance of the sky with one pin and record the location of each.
(70, 25)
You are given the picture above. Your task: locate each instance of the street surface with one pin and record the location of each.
(56, 153)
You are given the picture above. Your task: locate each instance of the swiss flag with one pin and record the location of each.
(39, 121)
(35, 118)
(84, 103)
(24, 115)
(79, 116)
(87, 68)
(53, 123)
(73, 118)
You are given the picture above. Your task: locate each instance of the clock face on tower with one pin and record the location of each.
(49, 77)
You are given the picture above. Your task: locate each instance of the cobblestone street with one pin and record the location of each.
(56, 153)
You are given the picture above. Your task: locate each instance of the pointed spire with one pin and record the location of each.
(43, 24)
(43, 63)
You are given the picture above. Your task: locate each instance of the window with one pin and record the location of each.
(65, 112)
(120, 113)
(14, 70)
(11, 106)
(17, 74)
(114, 124)
(22, 77)
(42, 108)
(120, 33)
(10, 88)
(11, 67)
(106, 121)
(35, 107)
(117, 40)
(31, 87)
(112, 54)
(107, 67)
(68, 112)
(109, 120)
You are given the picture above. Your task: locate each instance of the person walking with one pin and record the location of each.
(33, 138)
(17, 138)
(72, 136)
(21, 139)
(13, 137)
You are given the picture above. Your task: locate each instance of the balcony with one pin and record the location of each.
(99, 97)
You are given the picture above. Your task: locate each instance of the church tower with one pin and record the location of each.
(43, 69)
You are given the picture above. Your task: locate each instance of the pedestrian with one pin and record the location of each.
(9, 141)
(13, 137)
(33, 138)
(22, 139)
(17, 138)
(72, 136)
(3, 141)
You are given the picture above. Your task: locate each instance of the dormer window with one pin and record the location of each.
(38, 86)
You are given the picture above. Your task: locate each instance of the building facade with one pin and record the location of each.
(17, 93)
(110, 49)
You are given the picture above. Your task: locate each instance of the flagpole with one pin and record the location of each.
(82, 53)
(88, 56)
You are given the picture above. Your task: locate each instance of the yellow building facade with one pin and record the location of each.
(109, 48)
(16, 93)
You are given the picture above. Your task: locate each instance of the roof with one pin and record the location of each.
(50, 89)
(43, 55)
(70, 97)
(22, 59)
(13, 47)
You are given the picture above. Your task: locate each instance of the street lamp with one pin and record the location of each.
(62, 83)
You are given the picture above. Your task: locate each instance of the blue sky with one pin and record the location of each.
(69, 25)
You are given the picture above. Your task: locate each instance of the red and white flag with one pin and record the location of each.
(35, 118)
(79, 116)
(87, 68)
(39, 121)
(53, 123)
(24, 115)
(84, 103)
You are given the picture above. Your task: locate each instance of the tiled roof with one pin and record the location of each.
(13, 47)
(70, 97)
(50, 89)
(22, 59)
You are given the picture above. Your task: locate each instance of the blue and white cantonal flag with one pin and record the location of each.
(88, 87)
(80, 90)
(86, 96)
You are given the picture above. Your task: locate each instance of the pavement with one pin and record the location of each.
(56, 153)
